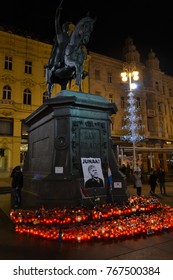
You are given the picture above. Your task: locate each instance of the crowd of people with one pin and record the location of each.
(156, 178)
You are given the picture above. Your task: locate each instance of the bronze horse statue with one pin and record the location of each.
(68, 54)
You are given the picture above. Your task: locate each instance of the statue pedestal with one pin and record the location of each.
(66, 128)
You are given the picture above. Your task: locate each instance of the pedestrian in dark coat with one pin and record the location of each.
(161, 180)
(153, 181)
(17, 185)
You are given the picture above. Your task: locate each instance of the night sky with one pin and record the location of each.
(148, 23)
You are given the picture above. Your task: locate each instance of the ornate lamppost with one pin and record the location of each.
(132, 125)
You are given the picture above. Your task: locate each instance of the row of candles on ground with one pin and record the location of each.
(71, 216)
(128, 227)
(140, 216)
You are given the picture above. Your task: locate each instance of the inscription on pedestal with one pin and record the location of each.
(89, 139)
(90, 142)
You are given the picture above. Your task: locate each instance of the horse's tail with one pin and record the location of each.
(49, 89)
(48, 73)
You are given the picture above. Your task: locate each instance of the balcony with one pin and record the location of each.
(7, 107)
(7, 102)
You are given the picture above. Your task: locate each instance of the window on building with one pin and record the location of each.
(161, 127)
(110, 98)
(6, 93)
(138, 102)
(28, 67)
(171, 110)
(123, 122)
(163, 89)
(159, 107)
(170, 92)
(97, 74)
(122, 102)
(8, 63)
(2, 152)
(151, 125)
(45, 96)
(109, 78)
(6, 126)
(161, 118)
(27, 96)
(157, 86)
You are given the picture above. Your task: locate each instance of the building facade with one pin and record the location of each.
(154, 99)
(23, 89)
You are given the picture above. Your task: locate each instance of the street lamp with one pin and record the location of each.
(132, 125)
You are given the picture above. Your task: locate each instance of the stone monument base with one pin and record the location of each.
(65, 129)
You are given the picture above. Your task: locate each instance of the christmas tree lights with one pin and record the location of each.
(132, 119)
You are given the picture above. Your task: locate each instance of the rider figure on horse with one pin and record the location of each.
(68, 52)
(62, 38)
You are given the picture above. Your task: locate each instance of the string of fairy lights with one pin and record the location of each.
(143, 215)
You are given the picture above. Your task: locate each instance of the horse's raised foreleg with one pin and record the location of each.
(50, 88)
(80, 88)
(78, 79)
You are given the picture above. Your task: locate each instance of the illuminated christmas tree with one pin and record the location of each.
(133, 125)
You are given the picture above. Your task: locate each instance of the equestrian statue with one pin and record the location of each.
(68, 52)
